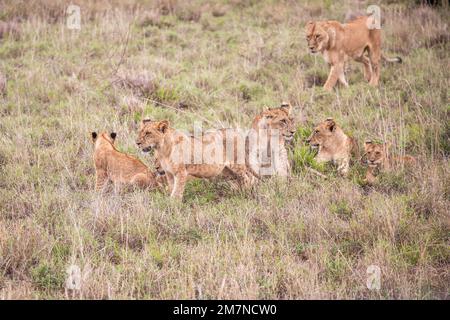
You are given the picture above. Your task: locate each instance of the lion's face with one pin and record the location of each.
(322, 133)
(317, 37)
(151, 134)
(277, 120)
(375, 153)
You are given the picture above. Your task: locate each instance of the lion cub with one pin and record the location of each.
(378, 159)
(333, 145)
(182, 156)
(117, 167)
(271, 130)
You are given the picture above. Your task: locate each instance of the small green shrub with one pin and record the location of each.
(302, 155)
(358, 173)
(200, 192)
(341, 209)
(393, 181)
(335, 268)
(46, 277)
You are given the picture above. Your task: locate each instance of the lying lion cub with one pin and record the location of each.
(338, 42)
(182, 156)
(378, 159)
(118, 167)
(333, 145)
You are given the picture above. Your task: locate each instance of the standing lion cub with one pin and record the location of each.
(117, 167)
(338, 42)
(182, 156)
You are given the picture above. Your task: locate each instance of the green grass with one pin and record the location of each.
(220, 63)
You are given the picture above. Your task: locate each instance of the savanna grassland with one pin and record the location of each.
(220, 63)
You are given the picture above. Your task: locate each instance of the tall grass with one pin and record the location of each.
(219, 62)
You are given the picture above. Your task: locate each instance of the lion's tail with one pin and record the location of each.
(396, 59)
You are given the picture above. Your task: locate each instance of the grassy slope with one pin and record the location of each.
(308, 238)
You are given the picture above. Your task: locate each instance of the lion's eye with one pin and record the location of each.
(378, 153)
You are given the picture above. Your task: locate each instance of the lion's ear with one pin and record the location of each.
(146, 120)
(331, 124)
(163, 126)
(94, 135)
(367, 143)
(113, 135)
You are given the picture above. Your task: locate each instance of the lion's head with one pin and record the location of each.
(319, 36)
(103, 138)
(323, 133)
(278, 119)
(375, 153)
(151, 134)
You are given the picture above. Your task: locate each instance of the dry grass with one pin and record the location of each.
(221, 63)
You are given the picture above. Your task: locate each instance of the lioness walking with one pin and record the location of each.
(338, 42)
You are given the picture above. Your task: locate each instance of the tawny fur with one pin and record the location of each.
(339, 42)
(267, 153)
(117, 167)
(207, 160)
(333, 145)
(378, 159)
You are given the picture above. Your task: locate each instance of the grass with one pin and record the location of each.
(220, 63)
